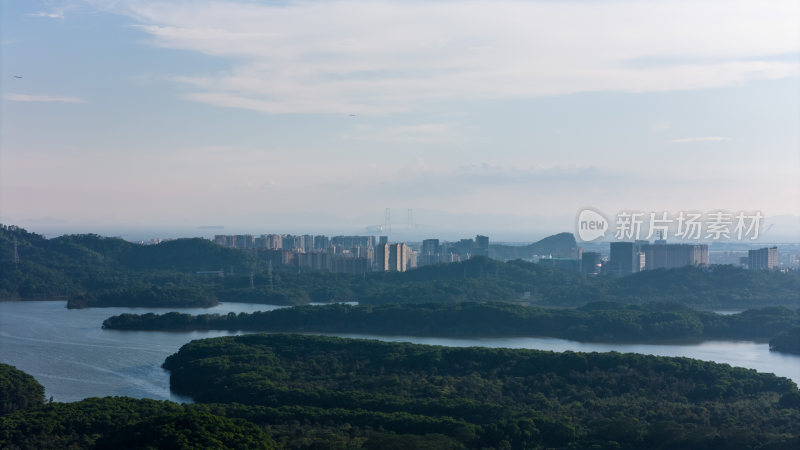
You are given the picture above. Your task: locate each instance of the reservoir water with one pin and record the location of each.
(74, 358)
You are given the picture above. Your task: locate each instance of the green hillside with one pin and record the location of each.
(488, 398)
(76, 266)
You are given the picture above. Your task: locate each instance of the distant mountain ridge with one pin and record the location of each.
(561, 245)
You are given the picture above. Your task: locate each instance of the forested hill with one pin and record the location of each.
(483, 279)
(477, 279)
(711, 286)
(73, 265)
(561, 245)
(85, 251)
(489, 398)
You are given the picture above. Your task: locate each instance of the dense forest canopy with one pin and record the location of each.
(307, 392)
(119, 422)
(594, 322)
(491, 398)
(18, 390)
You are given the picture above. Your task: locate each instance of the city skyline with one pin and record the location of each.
(500, 117)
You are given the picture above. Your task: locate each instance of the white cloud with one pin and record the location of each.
(661, 125)
(690, 140)
(421, 134)
(42, 98)
(56, 10)
(387, 56)
(50, 15)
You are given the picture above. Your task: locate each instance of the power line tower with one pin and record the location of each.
(16, 255)
(269, 271)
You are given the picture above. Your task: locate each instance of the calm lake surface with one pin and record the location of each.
(73, 358)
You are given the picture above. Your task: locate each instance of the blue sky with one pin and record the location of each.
(475, 114)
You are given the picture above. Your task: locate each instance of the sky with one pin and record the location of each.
(479, 116)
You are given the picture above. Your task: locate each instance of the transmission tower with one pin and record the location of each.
(269, 271)
(16, 255)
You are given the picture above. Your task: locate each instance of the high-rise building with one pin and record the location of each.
(274, 241)
(568, 264)
(670, 256)
(763, 259)
(321, 242)
(590, 263)
(430, 246)
(429, 252)
(624, 259)
(412, 259)
(482, 246)
(382, 257)
(350, 264)
(464, 247)
(319, 260)
(352, 241)
(244, 241)
(398, 257)
(308, 242)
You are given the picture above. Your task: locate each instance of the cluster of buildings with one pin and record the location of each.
(361, 254)
(626, 258)
(353, 254)
(630, 257)
(432, 251)
(762, 259)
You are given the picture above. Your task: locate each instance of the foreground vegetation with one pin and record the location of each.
(119, 422)
(491, 398)
(93, 271)
(593, 322)
(305, 392)
(18, 390)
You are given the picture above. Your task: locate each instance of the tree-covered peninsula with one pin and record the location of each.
(593, 322)
(487, 398)
(787, 342)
